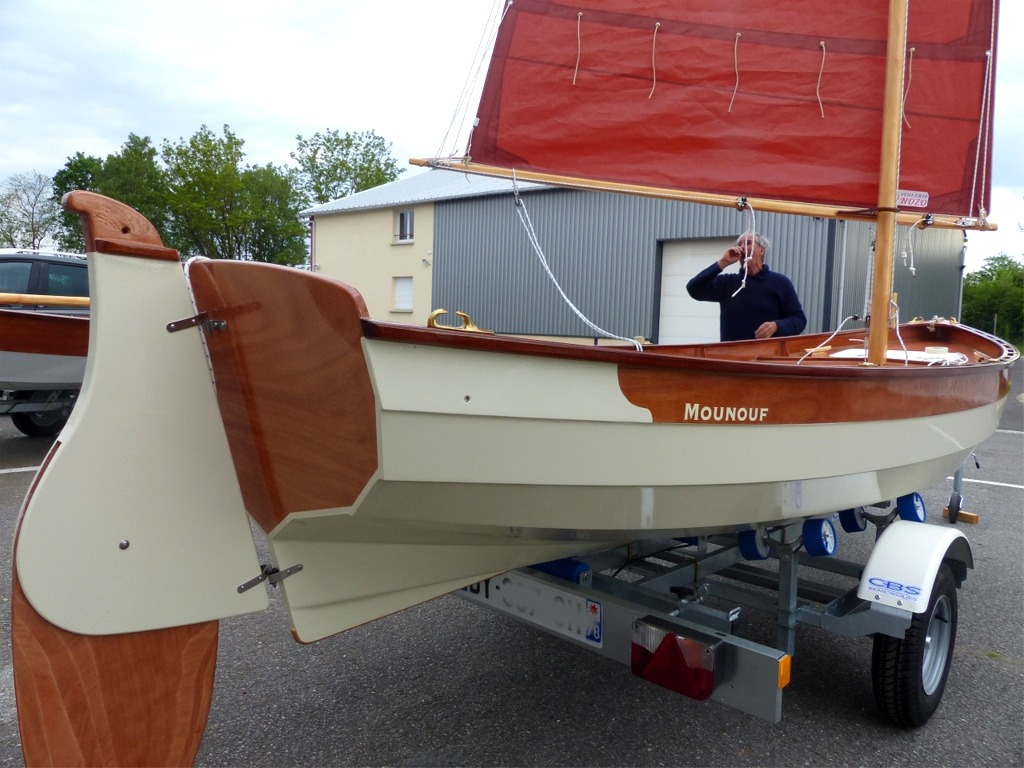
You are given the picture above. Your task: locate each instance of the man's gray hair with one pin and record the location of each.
(760, 239)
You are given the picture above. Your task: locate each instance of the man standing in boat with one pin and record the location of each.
(756, 303)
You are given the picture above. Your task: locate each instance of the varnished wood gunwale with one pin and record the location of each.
(40, 333)
(776, 356)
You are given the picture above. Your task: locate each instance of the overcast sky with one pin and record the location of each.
(80, 76)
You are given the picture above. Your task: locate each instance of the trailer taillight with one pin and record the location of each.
(679, 659)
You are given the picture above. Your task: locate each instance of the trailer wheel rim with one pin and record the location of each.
(936, 645)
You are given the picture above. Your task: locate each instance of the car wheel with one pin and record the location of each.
(41, 423)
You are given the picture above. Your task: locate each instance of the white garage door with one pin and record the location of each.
(684, 320)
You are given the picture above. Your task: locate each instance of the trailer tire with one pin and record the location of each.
(41, 423)
(909, 673)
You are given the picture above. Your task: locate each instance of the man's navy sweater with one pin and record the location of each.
(767, 296)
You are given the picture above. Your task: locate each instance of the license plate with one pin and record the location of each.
(537, 602)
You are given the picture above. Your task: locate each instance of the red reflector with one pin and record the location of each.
(684, 663)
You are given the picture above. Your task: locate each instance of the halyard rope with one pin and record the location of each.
(524, 217)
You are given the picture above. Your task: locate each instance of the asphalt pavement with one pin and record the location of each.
(449, 683)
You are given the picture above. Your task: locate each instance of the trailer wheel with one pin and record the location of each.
(853, 520)
(955, 501)
(819, 537)
(911, 507)
(752, 545)
(909, 673)
(40, 423)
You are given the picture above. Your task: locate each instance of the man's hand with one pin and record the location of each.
(766, 330)
(731, 256)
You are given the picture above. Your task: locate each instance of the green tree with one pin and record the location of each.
(28, 214)
(205, 199)
(332, 165)
(273, 232)
(223, 210)
(131, 176)
(79, 172)
(994, 298)
(134, 177)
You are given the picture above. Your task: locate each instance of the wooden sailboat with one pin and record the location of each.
(388, 464)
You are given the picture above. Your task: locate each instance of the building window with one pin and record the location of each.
(403, 294)
(403, 226)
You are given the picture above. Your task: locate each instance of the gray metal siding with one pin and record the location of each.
(605, 248)
(934, 288)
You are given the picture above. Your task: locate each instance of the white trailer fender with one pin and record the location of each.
(905, 560)
(136, 521)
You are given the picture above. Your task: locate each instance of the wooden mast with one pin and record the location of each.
(888, 183)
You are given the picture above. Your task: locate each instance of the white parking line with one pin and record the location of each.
(12, 470)
(991, 482)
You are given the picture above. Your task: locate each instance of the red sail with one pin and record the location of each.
(729, 97)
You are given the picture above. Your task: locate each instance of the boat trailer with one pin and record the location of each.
(671, 608)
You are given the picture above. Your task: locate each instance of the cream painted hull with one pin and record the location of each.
(491, 462)
(397, 468)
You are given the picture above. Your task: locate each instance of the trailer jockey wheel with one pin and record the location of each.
(819, 537)
(955, 502)
(909, 673)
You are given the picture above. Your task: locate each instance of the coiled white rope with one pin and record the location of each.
(524, 218)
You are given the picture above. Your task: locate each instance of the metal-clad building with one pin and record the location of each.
(611, 253)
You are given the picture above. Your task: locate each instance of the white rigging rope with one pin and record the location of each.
(524, 218)
(984, 124)
(461, 116)
(748, 248)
